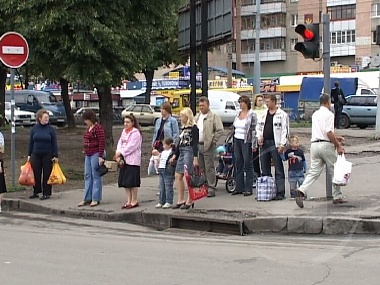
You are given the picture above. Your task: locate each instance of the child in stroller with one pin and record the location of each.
(225, 161)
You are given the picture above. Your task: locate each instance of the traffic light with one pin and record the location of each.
(310, 47)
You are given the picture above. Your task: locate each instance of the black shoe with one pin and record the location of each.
(211, 194)
(247, 193)
(236, 193)
(45, 197)
(186, 206)
(33, 196)
(177, 206)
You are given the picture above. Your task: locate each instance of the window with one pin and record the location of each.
(146, 109)
(271, 20)
(293, 20)
(136, 109)
(246, 2)
(230, 105)
(293, 43)
(247, 23)
(370, 100)
(358, 101)
(292, 1)
(342, 12)
(376, 10)
(373, 37)
(342, 37)
(265, 45)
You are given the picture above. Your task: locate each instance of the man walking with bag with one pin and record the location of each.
(338, 99)
(272, 135)
(323, 151)
(210, 130)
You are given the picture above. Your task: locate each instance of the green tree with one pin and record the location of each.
(161, 36)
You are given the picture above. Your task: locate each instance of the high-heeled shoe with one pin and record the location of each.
(186, 206)
(178, 206)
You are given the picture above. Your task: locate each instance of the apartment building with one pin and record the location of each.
(352, 35)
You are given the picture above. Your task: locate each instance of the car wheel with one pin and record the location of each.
(345, 121)
(362, 126)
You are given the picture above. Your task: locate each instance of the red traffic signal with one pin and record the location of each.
(310, 34)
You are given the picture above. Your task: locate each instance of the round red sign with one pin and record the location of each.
(14, 49)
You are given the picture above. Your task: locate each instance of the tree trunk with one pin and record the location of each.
(106, 116)
(149, 74)
(66, 102)
(3, 79)
(26, 76)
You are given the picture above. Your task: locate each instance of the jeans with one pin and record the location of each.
(269, 153)
(243, 163)
(296, 178)
(42, 165)
(92, 179)
(338, 113)
(166, 181)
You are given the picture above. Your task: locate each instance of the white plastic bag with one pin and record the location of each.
(151, 168)
(342, 171)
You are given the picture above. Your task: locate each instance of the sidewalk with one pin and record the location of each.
(238, 214)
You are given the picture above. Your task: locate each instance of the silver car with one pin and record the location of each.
(144, 113)
(360, 110)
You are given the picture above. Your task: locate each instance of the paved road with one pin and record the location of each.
(37, 249)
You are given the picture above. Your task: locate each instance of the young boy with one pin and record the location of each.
(3, 187)
(166, 175)
(296, 165)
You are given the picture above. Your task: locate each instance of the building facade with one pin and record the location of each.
(352, 35)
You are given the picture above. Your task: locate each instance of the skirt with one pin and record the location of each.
(186, 157)
(3, 186)
(129, 176)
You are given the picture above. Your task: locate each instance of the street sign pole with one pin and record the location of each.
(327, 83)
(14, 52)
(13, 127)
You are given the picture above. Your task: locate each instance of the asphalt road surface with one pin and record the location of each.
(44, 250)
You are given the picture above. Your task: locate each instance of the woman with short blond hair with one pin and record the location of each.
(186, 154)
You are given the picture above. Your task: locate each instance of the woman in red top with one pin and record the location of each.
(94, 142)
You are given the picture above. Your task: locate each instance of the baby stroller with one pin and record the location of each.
(226, 170)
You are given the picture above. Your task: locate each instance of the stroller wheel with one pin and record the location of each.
(230, 185)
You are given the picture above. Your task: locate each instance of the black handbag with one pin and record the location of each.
(103, 169)
(197, 179)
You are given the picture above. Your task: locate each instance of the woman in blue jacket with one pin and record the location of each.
(165, 127)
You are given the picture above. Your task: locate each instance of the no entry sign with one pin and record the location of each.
(14, 49)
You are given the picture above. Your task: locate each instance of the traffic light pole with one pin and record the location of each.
(327, 83)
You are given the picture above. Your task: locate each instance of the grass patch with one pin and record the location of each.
(15, 188)
(301, 124)
(72, 174)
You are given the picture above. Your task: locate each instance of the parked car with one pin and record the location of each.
(117, 118)
(144, 113)
(22, 118)
(360, 110)
(32, 101)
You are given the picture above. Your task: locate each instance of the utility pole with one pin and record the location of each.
(193, 54)
(238, 35)
(204, 46)
(377, 130)
(327, 83)
(229, 65)
(257, 67)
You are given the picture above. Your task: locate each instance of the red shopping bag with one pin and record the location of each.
(27, 175)
(195, 193)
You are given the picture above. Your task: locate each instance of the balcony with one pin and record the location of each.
(269, 55)
(268, 8)
(277, 32)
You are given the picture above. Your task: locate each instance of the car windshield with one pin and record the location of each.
(48, 99)
(237, 105)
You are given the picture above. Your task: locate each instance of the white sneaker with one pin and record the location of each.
(167, 206)
(158, 206)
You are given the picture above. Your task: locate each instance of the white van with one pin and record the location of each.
(225, 104)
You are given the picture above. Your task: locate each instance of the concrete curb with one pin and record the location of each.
(239, 223)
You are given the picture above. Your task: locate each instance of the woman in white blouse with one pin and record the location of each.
(245, 142)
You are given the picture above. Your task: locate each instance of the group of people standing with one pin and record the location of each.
(260, 136)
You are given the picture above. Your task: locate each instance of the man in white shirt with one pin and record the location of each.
(323, 151)
(210, 128)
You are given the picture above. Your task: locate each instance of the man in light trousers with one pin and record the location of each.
(210, 130)
(323, 151)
